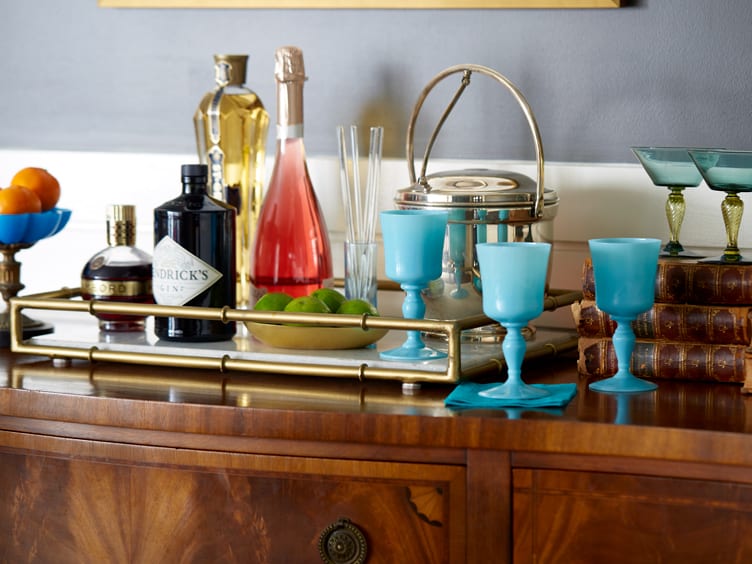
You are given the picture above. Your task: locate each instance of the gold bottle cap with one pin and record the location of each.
(288, 64)
(121, 225)
(230, 69)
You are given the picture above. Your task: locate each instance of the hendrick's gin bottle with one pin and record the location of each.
(194, 259)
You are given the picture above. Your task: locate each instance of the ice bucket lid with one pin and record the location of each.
(475, 189)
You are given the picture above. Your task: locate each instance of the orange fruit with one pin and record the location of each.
(41, 182)
(19, 199)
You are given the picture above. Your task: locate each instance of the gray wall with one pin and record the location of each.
(673, 72)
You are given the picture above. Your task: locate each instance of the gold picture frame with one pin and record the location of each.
(362, 4)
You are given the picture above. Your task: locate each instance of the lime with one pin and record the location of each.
(357, 307)
(330, 297)
(307, 304)
(273, 301)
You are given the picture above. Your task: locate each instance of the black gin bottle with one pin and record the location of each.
(194, 259)
(120, 272)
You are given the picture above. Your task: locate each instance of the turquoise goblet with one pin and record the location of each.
(413, 247)
(513, 276)
(624, 270)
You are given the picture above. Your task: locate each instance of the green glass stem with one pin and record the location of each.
(675, 209)
(732, 209)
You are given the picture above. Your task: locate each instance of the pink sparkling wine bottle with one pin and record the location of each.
(291, 250)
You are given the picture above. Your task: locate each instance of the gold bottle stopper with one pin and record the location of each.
(121, 225)
(229, 70)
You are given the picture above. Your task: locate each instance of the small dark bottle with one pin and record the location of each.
(121, 272)
(194, 259)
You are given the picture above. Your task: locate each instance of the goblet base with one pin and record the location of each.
(515, 390)
(672, 249)
(727, 259)
(623, 384)
(412, 353)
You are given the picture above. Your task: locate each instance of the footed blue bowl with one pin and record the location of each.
(29, 228)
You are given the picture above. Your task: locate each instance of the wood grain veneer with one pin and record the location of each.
(100, 463)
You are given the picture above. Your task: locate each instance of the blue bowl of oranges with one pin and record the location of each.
(28, 209)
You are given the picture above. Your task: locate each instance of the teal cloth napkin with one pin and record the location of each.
(466, 395)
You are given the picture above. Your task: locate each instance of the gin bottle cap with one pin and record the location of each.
(194, 172)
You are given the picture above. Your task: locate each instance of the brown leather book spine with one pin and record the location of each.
(667, 359)
(723, 325)
(691, 282)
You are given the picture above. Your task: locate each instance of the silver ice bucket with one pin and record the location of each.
(484, 206)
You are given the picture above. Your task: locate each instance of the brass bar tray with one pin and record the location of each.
(79, 338)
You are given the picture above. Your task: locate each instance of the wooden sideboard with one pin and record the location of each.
(117, 463)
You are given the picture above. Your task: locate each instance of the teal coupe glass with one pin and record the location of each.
(672, 168)
(624, 270)
(413, 247)
(513, 276)
(730, 172)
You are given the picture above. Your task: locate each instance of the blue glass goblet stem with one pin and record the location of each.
(623, 380)
(413, 307)
(514, 347)
(624, 343)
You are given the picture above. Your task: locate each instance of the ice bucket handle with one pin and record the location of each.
(467, 70)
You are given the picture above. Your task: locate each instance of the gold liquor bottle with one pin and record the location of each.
(231, 128)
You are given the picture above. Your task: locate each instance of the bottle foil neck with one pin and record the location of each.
(289, 107)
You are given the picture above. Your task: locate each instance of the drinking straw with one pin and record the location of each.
(360, 208)
(345, 183)
(372, 187)
(357, 209)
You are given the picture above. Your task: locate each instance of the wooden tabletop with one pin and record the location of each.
(686, 422)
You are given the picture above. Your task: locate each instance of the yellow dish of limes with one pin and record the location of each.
(314, 338)
(296, 336)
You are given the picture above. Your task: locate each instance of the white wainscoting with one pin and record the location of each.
(596, 200)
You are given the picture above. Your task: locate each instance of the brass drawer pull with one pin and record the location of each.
(343, 543)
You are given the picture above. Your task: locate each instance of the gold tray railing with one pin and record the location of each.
(235, 389)
(451, 332)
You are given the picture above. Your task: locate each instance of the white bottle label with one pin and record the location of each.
(179, 275)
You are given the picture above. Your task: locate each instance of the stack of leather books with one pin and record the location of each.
(700, 327)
